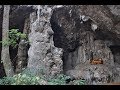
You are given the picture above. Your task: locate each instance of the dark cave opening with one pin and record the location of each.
(69, 36)
(116, 53)
(17, 21)
(14, 50)
(69, 39)
(112, 41)
(57, 33)
(57, 36)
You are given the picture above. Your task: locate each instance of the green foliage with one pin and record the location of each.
(27, 77)
(59, 80)
(79, 82)
(14, 36)
(7, 81)
(5, 42)
(20, 79)
(23, 79)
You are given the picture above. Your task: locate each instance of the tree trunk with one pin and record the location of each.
(5, 49)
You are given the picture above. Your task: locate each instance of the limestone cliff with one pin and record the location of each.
(66, 38)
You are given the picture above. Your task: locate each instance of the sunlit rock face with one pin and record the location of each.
(43, 55)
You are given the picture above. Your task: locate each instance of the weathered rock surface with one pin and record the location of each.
(65, 37)
(80, 31)
(94, 74)
(84, 30)
(42, 53)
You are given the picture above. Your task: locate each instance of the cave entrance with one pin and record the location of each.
(69, 32)
(116, 53)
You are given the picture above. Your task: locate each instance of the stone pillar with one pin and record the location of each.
(43, 55)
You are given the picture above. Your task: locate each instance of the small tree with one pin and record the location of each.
(5, 56)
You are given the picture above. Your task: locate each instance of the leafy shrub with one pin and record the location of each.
(58, 80)
(79, 82)
(24, 79)
(14, 36)
(20, 79)
(7, 81)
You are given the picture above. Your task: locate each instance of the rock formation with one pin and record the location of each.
(42, 53)
(65, 38)
(83, 31)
